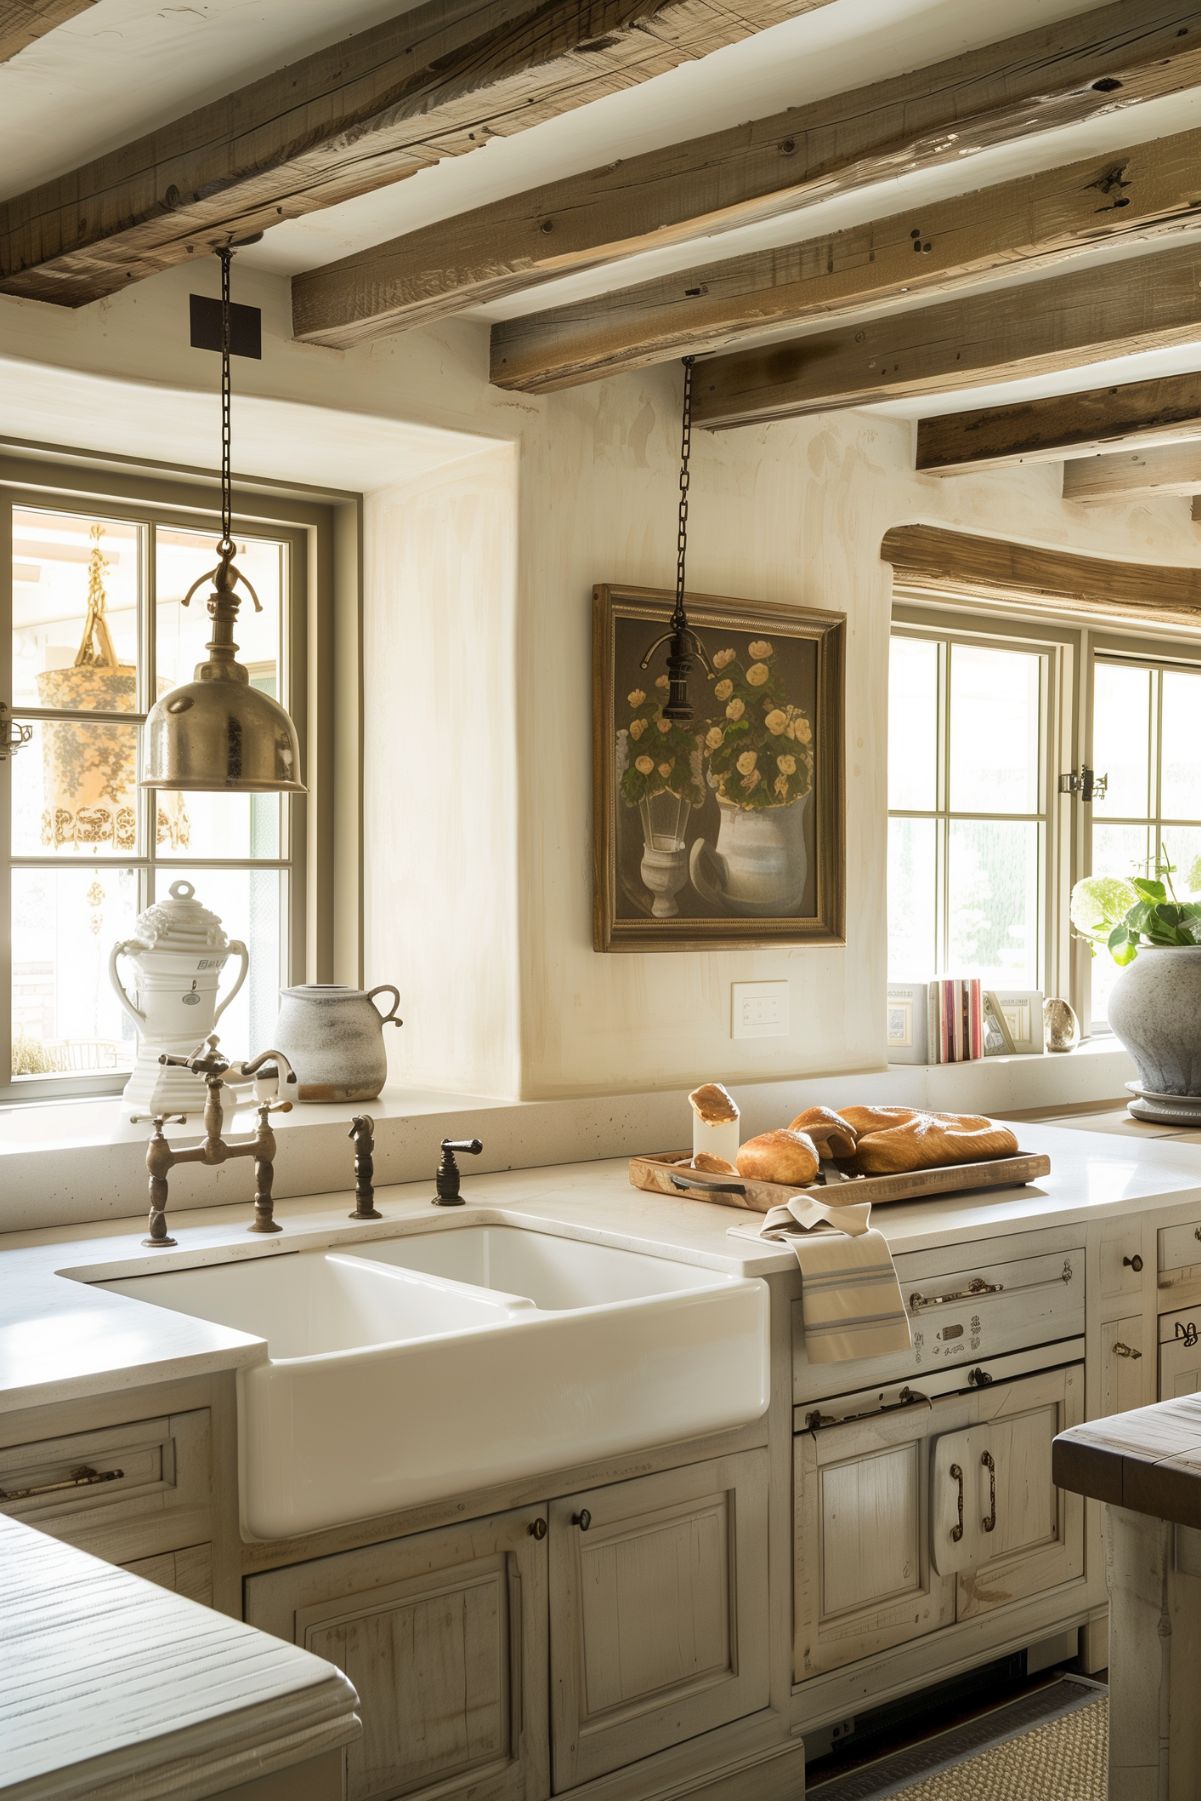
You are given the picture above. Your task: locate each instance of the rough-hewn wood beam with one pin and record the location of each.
(1165, 410)
(1139, 193)
(1094, 62)
(23, 22)
(927, 559)
(1108, 310)
(437, 81)
(1162, 469)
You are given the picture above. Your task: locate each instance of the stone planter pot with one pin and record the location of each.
(1155, 1010)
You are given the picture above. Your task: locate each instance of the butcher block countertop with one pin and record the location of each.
(61, 1339)
(116, 1690)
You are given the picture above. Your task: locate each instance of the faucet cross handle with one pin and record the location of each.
(210, 1064)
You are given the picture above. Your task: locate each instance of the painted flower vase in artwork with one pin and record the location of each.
(664, 866)
(759, 865)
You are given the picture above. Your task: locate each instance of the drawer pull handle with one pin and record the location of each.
(1124, 1350)
(979, 1378)
(84, 1477)
(1135, 1263)
(957, 1476)
(976, 1287)
(582, 1519)
(1187, 1334)
(986, 1463)
(908, 1397)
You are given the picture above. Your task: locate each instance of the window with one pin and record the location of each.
(91, 632)
(970, 809)
(1144, 744)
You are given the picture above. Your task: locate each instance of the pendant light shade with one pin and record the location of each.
(216, 732)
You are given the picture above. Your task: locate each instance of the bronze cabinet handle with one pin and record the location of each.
(957, 1476)
(975, 1288)
(582, 1519)
(1186, 1334)
(1135, 1263)
(1124, 1350)
(538, 1529)
(84, 1477)
(986, 1463)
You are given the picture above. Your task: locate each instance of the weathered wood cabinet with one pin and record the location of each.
(912, 1519)
(444, 1636)
(640, 1607)
(658, 1607)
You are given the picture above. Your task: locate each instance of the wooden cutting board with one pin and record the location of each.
(668, 1173)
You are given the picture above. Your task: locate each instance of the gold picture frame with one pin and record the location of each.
(708, 845)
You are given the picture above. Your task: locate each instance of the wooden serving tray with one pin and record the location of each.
(668, 1173)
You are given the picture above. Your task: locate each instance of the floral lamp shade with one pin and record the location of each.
(89, 771)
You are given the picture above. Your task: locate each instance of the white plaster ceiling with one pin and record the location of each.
(126, 66)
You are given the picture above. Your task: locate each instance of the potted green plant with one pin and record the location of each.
(759, 762)
(1154, 934)
(660, 775)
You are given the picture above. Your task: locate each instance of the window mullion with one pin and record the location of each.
(6, 765)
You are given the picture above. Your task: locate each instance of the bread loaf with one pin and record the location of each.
(781, 1156)
(713, 1166)
(713, 1103)
(833, 1135)
(928, 1141)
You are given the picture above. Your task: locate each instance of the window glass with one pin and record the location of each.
(994, 920)
(76, 595)
(912, 898)
(1180, 746)
(994, 730)
(913, 724)
(1122, 696)
(66, 1020)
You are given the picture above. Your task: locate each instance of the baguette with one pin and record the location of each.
(929, 1141)
(833, 1135)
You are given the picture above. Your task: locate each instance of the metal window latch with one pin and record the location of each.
(13, 735)
(1087, 784)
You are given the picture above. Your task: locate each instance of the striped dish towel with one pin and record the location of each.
(850, 1297)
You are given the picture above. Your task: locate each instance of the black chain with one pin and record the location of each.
(225, 256)
(679, 618)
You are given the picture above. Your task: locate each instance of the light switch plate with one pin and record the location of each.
(759, 1010)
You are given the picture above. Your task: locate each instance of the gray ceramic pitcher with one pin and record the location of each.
(334, 1039)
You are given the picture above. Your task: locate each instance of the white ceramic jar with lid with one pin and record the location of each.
(179, 951)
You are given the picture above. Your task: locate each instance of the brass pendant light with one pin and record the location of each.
(216, 732)
(683, 645)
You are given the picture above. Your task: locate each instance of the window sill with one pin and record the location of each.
(1095, 1071)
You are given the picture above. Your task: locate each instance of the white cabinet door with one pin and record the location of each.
(1127, 1373)
(658, 1598)
(864, 1576)
(1179, 1353)
(444, 1637)
(1028, 1534)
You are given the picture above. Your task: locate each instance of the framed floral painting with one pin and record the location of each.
(728, 830)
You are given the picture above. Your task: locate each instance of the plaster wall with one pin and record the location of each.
(792, 511)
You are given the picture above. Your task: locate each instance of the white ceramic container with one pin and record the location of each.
(334, 1039)
(178, 951)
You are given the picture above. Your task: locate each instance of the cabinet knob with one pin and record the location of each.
(1135, 1263)
(538, 1529)
(582, 1519)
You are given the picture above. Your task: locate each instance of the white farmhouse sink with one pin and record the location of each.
(431, 1365)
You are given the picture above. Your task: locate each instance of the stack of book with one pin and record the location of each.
(955, 1019)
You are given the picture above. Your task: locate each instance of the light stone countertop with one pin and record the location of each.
(111, 1686)
(61, 1339)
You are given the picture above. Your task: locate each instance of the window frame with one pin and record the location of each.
(1070, 740)
(150, 499)
(978, 628)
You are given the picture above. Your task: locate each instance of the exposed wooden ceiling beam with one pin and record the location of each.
(439, 80)
(23, 22)
(1094, 62)
(927, 559)
(1040, 431)
(1032, 328)
(1161, 469)
(1138, 193)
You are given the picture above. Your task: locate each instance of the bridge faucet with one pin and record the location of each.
(161, 1156)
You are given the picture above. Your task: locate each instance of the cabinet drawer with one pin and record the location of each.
(78, 1484)
(1179, 1353)
(974, 1312)
(1180, 1254)
(1121, 1263)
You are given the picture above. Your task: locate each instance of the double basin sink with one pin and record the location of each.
(441, 1362)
